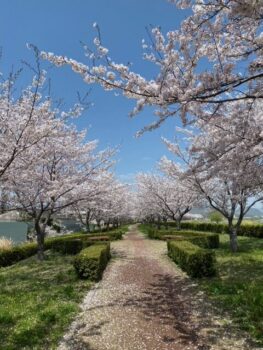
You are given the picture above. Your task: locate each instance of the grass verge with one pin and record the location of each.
(238, 288)
(38, 301)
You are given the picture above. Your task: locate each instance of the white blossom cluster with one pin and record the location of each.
(215, 56)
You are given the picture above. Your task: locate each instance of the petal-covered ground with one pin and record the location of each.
(144, 302)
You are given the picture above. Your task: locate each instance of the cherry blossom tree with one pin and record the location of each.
(232, 181)
(96, 193)
(53, 175)
(115, 206)
(146, 208)
(167, 197)
(214, 57)
(112, 207)
(19, 120)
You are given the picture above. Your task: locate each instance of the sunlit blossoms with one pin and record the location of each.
(105, 202)
(210, 72)
(46, 164)
(223, 162)
(214, 57)
(164, 198)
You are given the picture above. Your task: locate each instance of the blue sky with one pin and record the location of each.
(59, 26)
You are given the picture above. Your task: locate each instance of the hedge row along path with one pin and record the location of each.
(144, 302)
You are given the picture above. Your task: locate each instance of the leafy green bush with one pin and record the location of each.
(59, 243)
(17, 253)
(25, 250)
(99, 238)
(67, 246)
(196, 261)
(249, 230)
(116, 235)
(204, 226)
(111, 235)
(152, 232)
(202, 239)
(91, 262)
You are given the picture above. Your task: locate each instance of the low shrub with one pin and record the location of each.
(152, 232)
(202, 239)
(98, 238)
(250, 230)
(67, 246)
(204, 226)
(205, 240)
(195, 261)
(17, 253)
(59, 243)
(25, 250)
(116, 235)
(91, 262)
(111, 235)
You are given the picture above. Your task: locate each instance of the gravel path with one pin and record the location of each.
(144, 302)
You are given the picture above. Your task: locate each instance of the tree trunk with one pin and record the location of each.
(178, 224)
(165, 223)
(87, 223)
(108, 225)
(115, 223)
(233, 239)
(40, 241)
(158, 223)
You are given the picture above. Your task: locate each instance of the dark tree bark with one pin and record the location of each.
(40, 240)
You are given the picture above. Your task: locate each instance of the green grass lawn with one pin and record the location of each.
(38, 300)
(239, 285)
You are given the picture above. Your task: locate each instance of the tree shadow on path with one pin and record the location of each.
(166, 299)
(176, 302)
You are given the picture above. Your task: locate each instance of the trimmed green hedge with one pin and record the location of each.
(195, 261)
(202, 239)
(17, 253)
(61, 244)
(204, 226)
(249, 230)
(91, 262)
(153, 233)
(67, 246)
(25, 250)
(116, 235)
(112, 235)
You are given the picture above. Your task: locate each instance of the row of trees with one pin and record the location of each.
(109, 202)
(210, 74)
(47, 165)
(220, 164)
(162, 198)
(223, 162)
